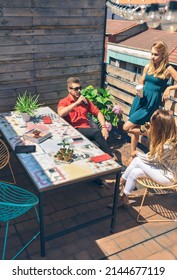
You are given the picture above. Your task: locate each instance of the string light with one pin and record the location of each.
(169, 19)
(154, 15)
(139, 15)
(153, 18)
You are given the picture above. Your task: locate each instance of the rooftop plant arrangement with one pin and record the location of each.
(27, 103)
(104, 101)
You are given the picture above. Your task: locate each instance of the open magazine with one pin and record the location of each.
(37, 135)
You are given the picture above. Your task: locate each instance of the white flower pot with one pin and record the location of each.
(25, 117)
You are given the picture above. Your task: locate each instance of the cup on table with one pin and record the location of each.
(139, 90)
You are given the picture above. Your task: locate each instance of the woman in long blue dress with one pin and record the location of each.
(155, 90)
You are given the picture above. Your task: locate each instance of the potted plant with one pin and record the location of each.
(70, 152)
(60, 156)
(103, 100)
(64, 146)
(65, 152)
(66, 156)
(26, 104)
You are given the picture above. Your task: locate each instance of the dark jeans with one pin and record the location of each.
(96, 135)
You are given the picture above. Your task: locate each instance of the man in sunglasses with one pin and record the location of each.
(75, 108)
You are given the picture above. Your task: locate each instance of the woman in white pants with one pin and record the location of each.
(160, 164)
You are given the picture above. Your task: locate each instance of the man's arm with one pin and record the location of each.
(64, 110)
(104, 130)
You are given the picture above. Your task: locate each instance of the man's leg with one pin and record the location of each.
(96, 135)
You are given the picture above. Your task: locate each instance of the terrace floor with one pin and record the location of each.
(130, 241)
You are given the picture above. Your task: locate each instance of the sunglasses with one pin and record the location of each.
(76, 88)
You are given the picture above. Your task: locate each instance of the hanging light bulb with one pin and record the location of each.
(139, 15)
(122, 11)
(108, 4)
(118, 9)
(169, 19)
(130, 12)
(126, 11)
(153, 18)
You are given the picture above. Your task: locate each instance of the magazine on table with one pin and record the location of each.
(37, 135)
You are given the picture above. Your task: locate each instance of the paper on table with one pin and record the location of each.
(50, 145)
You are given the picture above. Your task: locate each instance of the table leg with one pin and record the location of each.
(115, 202)
(41, 216)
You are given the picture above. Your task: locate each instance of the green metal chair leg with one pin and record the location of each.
(5, 241)
(14, 202)
(34, 237)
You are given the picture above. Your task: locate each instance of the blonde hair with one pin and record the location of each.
(162, 130)
(161, 48)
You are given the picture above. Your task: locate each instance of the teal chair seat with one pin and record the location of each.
(14, 202)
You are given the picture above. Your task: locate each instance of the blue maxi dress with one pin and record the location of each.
(143, 108)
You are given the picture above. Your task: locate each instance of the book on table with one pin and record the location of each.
(37, 135)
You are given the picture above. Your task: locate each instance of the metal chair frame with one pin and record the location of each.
(150, 184)
(14, 202)
(5, 159)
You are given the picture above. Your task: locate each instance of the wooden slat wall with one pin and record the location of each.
(122, 86)
(42, 43)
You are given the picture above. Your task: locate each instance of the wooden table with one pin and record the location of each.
(47, 172)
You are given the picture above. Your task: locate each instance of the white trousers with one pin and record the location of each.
(137, 168)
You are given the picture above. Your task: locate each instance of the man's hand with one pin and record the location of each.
(81, 99)
(105, 133)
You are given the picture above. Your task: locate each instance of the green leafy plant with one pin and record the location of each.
(27, 103)
(104, 101)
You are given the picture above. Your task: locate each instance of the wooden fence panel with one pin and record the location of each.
(43, 43)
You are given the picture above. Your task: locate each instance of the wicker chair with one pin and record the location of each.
(5, 159)
(14, 202)
(149, 184)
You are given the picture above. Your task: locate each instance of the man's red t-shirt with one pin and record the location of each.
(78, 117)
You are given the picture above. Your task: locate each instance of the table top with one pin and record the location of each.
(44, 168)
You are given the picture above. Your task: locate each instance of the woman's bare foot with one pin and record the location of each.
(121, 184)
(133, 155)
(130, 159)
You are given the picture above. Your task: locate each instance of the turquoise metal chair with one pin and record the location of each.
(14, 202)
(5, 159)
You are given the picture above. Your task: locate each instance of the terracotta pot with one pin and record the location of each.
(67, 158)
(60, 156)
(62, 150)
(71, 154)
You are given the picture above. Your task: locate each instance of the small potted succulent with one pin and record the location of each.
(66, 156)
(26, 104)
(60, 156)
(64, 146)
(70, 153)
(65, 152)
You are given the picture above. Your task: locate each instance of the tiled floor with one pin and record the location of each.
(63, 209)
